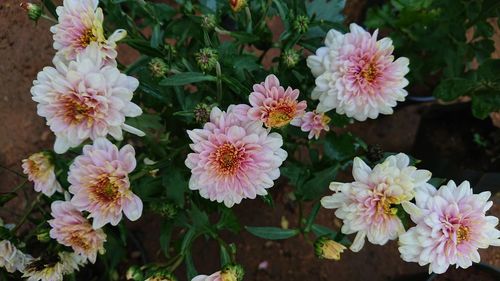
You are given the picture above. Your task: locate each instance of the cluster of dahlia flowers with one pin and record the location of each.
(235, 156)
(84, 96)
(450, 222)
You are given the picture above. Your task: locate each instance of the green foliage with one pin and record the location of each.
(432, 34)
(272, 233)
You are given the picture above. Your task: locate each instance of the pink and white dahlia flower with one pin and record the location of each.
(100, 184)
(273, 105)
(11, 258)
(451, 226)
(53, 268)
(85, 99)
(40, 171)
(234, 158)
(357, 75)
(367, 205)
(80, 24)
(314, 122)
(214, 277)
(71, 229)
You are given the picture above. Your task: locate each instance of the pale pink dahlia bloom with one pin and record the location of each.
(85, 99)
(314, 123)
(214, 277)
(273, 105)
(451, 226)
(357, 75)
(233, 158)
(11, 258)
(40, 171)
(71, 229)
(100, 184)
(367, 205)
(79, 25)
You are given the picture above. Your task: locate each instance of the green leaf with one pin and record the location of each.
(186, 78)
(6, 197)
(4, 233)
(488, 71)
(157, 36)
(190, 268)
(176, 185)
(199, 218)
(326, 10)
(340, 147)
(272, 233)
(225, 257)
(452, 88)
(51, 7)
(165, 236)
(312, 216)
(229, 221)
(146, 122)
(211, 4)
(436, 182)
(320, 230)
(484, 102)
(315, 187)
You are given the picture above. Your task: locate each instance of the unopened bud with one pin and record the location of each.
(158, 67)
(232, 272)
(327, 248)
(161, 274)
(34, 10)
(134, 273)
(207, 59)
(290, 58)
(166, 209)
(208, 22)
(201, 113)
(43, 236)
(301, 24)
(237, 5)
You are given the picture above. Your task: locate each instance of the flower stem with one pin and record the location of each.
(49, 18)
(27, 213)
(219, 83)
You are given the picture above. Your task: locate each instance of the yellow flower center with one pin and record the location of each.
(281, 115)
(462, 234)
(227, 158)
(370, 72)
(106, 189)
(87, 37)
(384, 206)
(77, 110)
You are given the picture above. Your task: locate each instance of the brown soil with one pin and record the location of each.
(26, 48)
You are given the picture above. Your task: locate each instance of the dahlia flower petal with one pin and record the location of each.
(233, 157)
(100, 184)
(357, 75)
(450, 226)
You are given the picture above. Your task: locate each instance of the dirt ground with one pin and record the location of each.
(26, 48)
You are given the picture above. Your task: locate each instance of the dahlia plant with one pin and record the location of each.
(202, 118)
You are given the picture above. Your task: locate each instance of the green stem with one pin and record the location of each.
(219, 82)
(49, 18)
(27, 213)
(14, 172)
(21, 185)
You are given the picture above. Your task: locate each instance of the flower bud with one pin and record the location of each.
(158, 67)
(327, 248)
(232, 272)
(290, 58)
(34, 11)
(202, 113)
(134, 273)
(237, 5)
(207, 59)
(161, 274)
(301, 24)
(208, 22)
(166, 209)
(43, 236)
